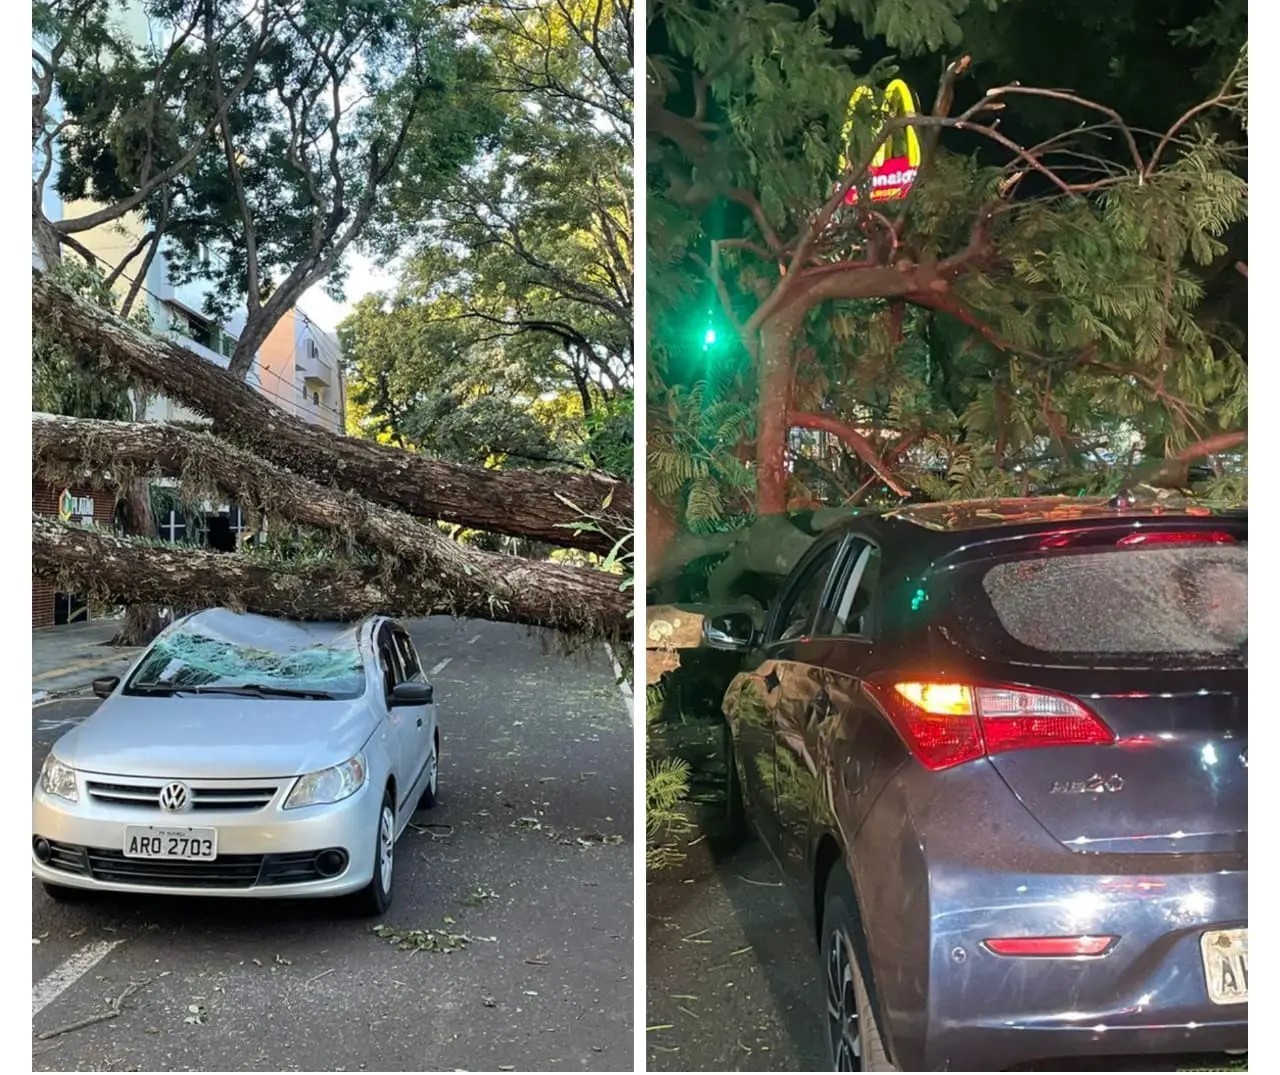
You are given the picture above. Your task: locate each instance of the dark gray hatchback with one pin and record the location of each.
(999, 749)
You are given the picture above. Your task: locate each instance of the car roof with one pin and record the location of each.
(923, 532)
(275, 632)
(959, 515)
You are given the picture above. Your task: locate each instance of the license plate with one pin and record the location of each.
(191, 845)
(1225, 953)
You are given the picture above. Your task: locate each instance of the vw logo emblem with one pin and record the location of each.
(175, 798)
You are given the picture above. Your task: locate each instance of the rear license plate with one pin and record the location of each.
(1225, 953)
(191, 845)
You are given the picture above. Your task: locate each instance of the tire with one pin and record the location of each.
(374, 899)
(853, 1039)
(65, 893)
(431, 793)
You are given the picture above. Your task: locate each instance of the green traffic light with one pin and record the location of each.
(708, 338)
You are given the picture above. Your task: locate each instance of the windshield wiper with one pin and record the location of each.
(148, 688)
(260, 690)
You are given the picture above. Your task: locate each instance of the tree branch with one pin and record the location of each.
(521, 504)
(474, 583)
(862, 448)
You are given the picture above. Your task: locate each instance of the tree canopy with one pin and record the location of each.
(508, 335)
(260, 142)
(1031, 315)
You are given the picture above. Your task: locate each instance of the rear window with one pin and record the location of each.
(1158, 606)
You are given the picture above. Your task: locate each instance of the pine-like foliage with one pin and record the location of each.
(666, 788)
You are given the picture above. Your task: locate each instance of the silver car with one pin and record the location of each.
(244, 756)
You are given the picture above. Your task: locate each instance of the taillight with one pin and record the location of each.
(1051, 947)
(1177, 537)
(947, 723)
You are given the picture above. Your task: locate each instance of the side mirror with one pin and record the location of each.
(103, 686)
(729, 631)
(412, 694)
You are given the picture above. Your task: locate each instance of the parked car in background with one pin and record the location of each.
(1000, 751)
(244, 756)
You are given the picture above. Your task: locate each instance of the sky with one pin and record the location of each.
(365, 276)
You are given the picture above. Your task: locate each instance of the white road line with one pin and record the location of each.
(54, 984)
(440, 667)
(473, 640)
(624, 688)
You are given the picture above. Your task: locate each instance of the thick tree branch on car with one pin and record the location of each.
(521, 504)
(114, 569)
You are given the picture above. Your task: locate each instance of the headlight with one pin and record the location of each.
(328, 785)
(58, 779)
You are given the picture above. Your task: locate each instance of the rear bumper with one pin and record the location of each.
(1148, 994)
(947, 872)
(1007, 1047)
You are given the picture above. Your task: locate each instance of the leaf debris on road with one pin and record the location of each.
(426, 940)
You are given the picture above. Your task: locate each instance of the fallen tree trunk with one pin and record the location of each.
(518, 503)
(108, 568)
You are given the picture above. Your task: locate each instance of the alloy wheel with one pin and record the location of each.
(843, 1026)
(386, 846)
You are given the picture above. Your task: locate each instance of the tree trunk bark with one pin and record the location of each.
(518, 503)
(487, 585)
(773, 408)
(256, 330)
(48, 242)
(109, 568)
(141, 622)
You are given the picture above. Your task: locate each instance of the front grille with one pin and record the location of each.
(204, 796)
(225, 871)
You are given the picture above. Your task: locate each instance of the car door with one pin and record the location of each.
(805, 709)
(420, 722)
(771, 689)
(399, 718)
(850, 762)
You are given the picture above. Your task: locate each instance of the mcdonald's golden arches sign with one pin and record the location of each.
(893, 169)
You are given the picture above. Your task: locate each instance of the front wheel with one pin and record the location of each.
(431, 793)
(853, 1039)
(374, 899)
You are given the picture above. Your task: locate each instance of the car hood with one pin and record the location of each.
(216, 737)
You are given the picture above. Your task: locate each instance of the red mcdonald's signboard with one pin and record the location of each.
(893, 169)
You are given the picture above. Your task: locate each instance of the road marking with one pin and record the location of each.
(63, 977)
(624, 688)
(85, 662)
(440, 667)
(473, 640)
(54, 725)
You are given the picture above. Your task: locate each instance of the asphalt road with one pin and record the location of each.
(530, 853)
(732, 974)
